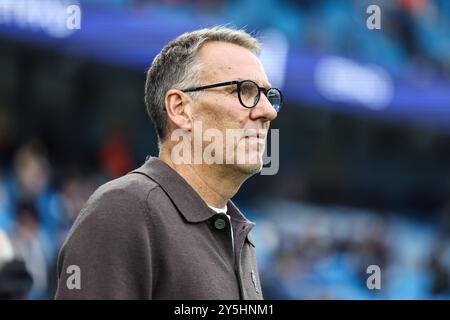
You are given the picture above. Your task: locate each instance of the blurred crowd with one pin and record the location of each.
(414, 35)
(36, 214)
(323, 252)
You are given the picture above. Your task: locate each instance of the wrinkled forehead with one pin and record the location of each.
(227, 62)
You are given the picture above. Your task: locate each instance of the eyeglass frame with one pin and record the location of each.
(239, 83)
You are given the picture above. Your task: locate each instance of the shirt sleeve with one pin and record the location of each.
(107, 254)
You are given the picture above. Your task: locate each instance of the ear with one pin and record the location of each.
(178, 108)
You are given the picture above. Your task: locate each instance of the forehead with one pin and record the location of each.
(226, 62)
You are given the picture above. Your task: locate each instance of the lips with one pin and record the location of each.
(256, 134)
(259, 137)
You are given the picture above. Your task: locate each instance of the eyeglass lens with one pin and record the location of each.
(250, 95)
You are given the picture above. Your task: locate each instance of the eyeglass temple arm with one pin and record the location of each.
(222, 84)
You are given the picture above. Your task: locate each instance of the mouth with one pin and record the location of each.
(259, 138)
(255, 135)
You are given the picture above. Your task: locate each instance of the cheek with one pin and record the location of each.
(231, 114)
(221, 112)
(203, 112)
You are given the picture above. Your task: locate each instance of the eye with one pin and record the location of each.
(249, 90)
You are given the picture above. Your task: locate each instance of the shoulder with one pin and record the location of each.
(122, 194)
(133, 186)
(119, 205)
(110, 240)
(115, 217)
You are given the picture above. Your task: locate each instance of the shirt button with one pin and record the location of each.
(219, 224)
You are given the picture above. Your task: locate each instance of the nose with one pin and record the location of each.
(263, 109)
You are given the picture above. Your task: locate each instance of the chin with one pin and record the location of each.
(250, 168)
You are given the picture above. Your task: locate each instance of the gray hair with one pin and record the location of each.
(177, 67)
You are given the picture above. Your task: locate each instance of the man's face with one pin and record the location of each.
(220, 109)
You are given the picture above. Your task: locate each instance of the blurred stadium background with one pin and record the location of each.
(364, 135)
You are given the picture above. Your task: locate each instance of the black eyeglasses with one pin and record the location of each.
(248, 93)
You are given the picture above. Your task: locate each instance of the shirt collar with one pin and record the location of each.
(184, 197)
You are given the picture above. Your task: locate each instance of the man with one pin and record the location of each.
(168, 230)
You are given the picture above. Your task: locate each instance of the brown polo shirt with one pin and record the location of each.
(149, 235)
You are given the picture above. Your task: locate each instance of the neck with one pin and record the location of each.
(215, 184)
